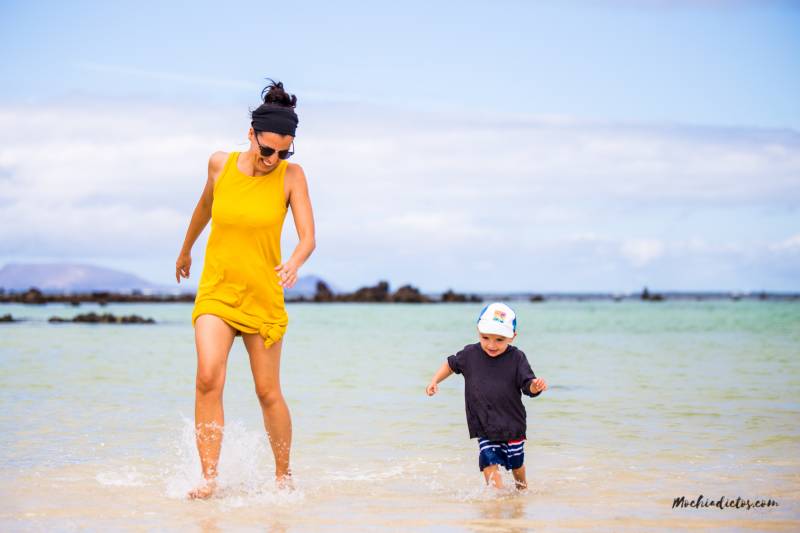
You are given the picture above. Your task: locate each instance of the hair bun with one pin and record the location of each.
(274, 93)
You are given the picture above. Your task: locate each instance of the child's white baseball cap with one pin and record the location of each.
(497, 319)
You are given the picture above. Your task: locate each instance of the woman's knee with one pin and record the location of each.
(209, 382)
(268, 395)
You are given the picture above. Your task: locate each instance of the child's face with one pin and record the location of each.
(493, 344)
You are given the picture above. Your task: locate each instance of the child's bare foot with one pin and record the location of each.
(203, 491)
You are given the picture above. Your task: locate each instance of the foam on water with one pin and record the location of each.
(128, 476)
(365, 474)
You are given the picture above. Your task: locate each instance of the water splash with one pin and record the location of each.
(246, 468)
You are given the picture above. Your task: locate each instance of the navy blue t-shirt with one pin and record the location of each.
(492, 391)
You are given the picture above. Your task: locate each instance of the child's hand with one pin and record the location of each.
(538, 385)
(432, 389)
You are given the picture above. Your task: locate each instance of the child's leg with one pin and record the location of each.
(492, 475)
(516, 462)
(519, 478)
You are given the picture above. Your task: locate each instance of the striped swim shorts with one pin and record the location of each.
(510, 454)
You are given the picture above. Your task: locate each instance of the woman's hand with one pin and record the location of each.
(287, 274)
(182, 266)
(432, 389)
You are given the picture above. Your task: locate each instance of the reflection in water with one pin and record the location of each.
(277, 527)
(208, 525)
(505, 514)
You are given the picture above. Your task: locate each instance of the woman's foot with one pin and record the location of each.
(203, 491)
(284, 482)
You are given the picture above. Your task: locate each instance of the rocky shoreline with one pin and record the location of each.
(35, 296)
(378, 293)
(381, 293)
(89, 318)
(105, 318)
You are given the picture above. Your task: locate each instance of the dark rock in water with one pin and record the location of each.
(408, 294)
(7, 318)
(105, 318)
(324, 293)
(33, 296)
(378, 293)
(647, 296)
(454, 297)
(537, 298)
(305, 289)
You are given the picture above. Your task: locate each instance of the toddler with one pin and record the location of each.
(496, 374)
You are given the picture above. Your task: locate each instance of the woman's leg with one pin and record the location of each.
(265, 364)
(213, 338)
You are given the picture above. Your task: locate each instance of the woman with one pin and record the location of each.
(246, 197)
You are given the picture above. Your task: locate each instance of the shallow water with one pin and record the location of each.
(647, 402)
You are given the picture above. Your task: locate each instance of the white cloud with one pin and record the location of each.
(790, 245)
(394, 190)
(642, 251)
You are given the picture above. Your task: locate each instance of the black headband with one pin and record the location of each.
(275, 118)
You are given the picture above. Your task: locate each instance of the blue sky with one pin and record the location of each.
(522, 146)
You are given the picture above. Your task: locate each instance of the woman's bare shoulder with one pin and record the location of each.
(215, 165)
(216, 162)
(294, 173)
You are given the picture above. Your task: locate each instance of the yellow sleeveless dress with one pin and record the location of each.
(239, 283)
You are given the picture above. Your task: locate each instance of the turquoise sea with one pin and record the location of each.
(647, 402)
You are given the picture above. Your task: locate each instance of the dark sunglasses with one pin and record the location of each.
(267, 151)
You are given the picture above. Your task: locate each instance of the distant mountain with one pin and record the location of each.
(73, 278)
(305, 286)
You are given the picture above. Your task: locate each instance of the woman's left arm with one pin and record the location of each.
(300, 202)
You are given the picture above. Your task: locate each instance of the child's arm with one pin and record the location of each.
(527, 380)
(441, 374)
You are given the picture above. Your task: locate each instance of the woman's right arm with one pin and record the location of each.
(200, 217)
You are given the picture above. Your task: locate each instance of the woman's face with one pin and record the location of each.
(268, 139)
